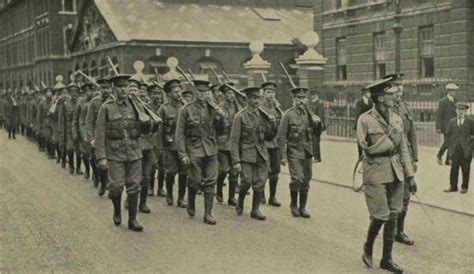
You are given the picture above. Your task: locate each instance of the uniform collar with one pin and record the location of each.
(121, 102)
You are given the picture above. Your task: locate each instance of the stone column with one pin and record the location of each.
(256, 66)
(311, 63)
(172, 64)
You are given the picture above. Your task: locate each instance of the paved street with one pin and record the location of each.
(51, 221)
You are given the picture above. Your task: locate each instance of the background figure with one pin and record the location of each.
(446, 111)
(12, 114)
(317, 106)
(362, 105)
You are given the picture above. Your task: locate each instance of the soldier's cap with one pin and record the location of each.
(252, 91)
(187, 92)
(143, 85)
(120, 80)
(452, 86)
(47, 89)
(87, 85)
(381, 87)
(225, 87)
(269, 85)
(299, 90)
(171, 84)
(201, 85)
(154, 87)
(214, 87)
(461, 105)
(396, 77)
(133, 82)
(72, 85)
(104, 82)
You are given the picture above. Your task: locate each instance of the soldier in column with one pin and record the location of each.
(12, 113)
(23, 106)
(54, 115)
(66, 117)
(169, 114)
(271, 106)
(30, 116)
(230, 106)
(38, 98)
(98, 175)
(404, 110)
(197, 147)
(117, 132)
(84, 143)
(44, 122)
(188, 95)
(85, 89)
(251, 127)
(386, 168)
(296, 148)
(216, 93)
(157, 98)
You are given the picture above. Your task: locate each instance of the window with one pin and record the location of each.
(157, 65)
(69, 5)
(341, 4)
(379, 55)
(103, 69)
(341, 62)
(427, 51)
(66, 39)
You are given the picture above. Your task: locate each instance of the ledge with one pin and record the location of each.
(356, 7)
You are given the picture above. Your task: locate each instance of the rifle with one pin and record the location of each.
(88, 78)
(112, 65)
(148, 110)
(217, 76)
(226, 77)
(277, 104)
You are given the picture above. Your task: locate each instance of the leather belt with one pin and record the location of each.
(389, 153)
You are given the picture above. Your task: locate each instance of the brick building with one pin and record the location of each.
(33, 40)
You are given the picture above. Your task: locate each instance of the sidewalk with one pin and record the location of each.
(339, 157)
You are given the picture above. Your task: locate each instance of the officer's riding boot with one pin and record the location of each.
(303, 200)
(132, 213)
(273, 187)
(70, 156)
(401, 237)
(182, 179)
(263, 199)
(151, 188)
(58, 152)
(256, 201)
(169, 189)
(232, 201)
(87, 167)
(191, 209)
(95, 173)
(9, 134)
(208, 201)
(242, 193)
(374, 228)
(41, 144)
(389, 230)
(78, 164)
(295, 211)
(161, 180)
(219, 185)
(63, 157)
(117, 212)
(143, 195)
(102, 176)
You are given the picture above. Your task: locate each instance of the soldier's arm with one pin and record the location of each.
(405, 157)
(411, 134)
(180, 131)
(89, 122)
(82, 122)
(39, 116)
(234, 140)
(99, 134)
(282, 135)
(361, 133)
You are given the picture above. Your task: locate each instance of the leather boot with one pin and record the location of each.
(95, 173)
(117, 214)
(372, 233)
(191, 209)
(103, 181)
(208, 201)
(389, 230)
(232, 201)
(58, 152)
(219, 185)
(169, 189)
(182, 179)
(256, 201)
(125, 204)
(151, 188)
(242, 193)
(87, 173)
(78, 164)
(401, 237)
(295, 211)
(132, 213)
(143, 206)
(263, 199)
(273, 187)
(70, 157)
(303, 200)
(161, 180)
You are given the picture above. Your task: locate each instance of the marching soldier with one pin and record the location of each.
(98, 175)
(188, 95)
(30, 117)
(169, 113)
(84, 90)
(117, 132)
(156, 97)
(216, 93)
(405, 112)
(54, 115)
(196, 144)
(66, 116)
(250, 129)
(44, 122)
(84, 144)
(231, 107)
(12, 113)
(23, 102)
(296, 148)
(272, 107)
(386, 167)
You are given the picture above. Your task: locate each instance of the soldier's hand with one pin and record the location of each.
(92, 143)
(415, 166)
(412, 185)
(315, 118)
(185, 161)
(237, 167)
(103, 164)
(440, 162)
(283, 162)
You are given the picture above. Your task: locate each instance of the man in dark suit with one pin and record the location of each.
(362, 105)
(446, 111)
(317, 106)
(458, 142)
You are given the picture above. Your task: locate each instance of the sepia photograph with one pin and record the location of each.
(236, 136)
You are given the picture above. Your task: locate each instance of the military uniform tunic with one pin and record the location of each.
(223, 141)
(45, 123)
(387, 164)
(272, 145)
(65, 120)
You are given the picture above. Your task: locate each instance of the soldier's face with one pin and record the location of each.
(388, 99)
(175, 93)
(89, 93)
(461, 112)
(269, 94)
(144, 95)
(157, 98)
(452, 92)
(399, 96)
(253, 100)
(49, 94)
(121, 92)
(132, 89)
(229, 96)
(188, 97)
(299, 100)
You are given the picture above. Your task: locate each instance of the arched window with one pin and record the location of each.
(93, 69)
(205, 65)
